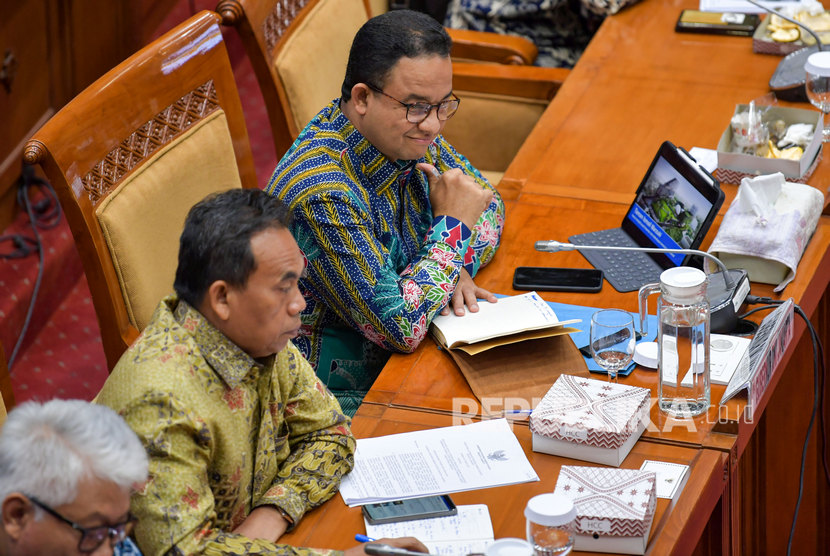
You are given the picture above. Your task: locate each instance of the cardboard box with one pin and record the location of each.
(731, 165)
(591, 420)
(614, 507)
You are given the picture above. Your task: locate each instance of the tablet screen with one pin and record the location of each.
(669, 210)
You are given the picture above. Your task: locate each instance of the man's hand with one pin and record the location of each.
(264, 522)
(409, 543)
(467, 293)
(455, 194)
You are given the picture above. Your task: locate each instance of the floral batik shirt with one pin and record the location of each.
(380, 265)
(224, 434)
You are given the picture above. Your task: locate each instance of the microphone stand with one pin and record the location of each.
(724, 302)
(555, 246)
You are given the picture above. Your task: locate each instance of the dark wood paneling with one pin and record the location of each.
(60, 47)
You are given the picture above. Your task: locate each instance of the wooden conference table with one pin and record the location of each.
(764, 452)
(638, 84)
(676, 522)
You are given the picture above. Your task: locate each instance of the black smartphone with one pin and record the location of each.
(557, 279)
(406, 510)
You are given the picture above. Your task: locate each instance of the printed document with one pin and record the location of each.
(468, 532)
(511, 315)
(726, 355)
(436, 461)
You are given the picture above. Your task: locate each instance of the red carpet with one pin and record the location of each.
(62, 355)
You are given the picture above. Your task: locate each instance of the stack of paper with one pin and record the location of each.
(511, 319)
(468, 532)
(436, 461)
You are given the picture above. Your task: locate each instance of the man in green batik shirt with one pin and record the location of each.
(242, 437)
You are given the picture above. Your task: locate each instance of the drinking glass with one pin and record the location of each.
(818, 85)
(612, 340)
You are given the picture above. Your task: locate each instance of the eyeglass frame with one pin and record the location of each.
(118, 531)
(409, 105)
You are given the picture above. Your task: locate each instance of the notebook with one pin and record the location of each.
(673, 208)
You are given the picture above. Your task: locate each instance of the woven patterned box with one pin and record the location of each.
(614, 507)
(592, 420)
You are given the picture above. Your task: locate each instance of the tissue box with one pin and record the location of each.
(591, 420)
(767, 227)
(614, 507)
(732, 167)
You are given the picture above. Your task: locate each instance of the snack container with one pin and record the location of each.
(762, 43)
(614, 507)
(591, 420)
(732, 167)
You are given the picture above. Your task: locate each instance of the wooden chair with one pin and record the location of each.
(131, 154)
(299, 50)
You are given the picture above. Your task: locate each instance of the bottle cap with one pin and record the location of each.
(550, 509)
(682, 283)
(819, 64)
(645, 354)
(509, 547)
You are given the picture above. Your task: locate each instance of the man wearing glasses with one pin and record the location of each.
(393, 222)
(67, 468)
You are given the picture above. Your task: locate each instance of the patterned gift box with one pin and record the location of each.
(614, 507)
(588, 419)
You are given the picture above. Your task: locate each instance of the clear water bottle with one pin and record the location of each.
(683, 388)
(550, 524)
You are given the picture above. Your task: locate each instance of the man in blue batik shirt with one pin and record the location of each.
(393, 222)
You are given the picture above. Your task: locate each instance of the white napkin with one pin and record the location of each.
(767, 227)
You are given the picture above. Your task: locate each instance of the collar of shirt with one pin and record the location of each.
(380, 171)
(225, 357)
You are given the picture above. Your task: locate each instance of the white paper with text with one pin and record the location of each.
(436, 461)
(510, 315)
(468, 532)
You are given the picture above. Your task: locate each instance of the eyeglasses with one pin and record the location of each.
(92, 537)
(417, 112)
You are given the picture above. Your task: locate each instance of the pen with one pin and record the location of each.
(518, 411)
(363, 538)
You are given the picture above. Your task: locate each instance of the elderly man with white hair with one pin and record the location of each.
(67, 470)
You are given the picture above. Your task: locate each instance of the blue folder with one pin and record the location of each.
(565, 311)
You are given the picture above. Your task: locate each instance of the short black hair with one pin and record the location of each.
(216, 241)
(385, 39)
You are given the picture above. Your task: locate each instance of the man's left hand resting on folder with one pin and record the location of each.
(408, 543)
(467, 293)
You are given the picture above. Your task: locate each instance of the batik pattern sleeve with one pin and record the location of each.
(486, 234)
(356, 273)
(320, 447)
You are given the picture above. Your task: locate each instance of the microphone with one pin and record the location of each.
(789, 78)
(726, 291)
